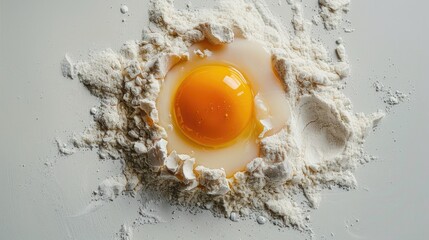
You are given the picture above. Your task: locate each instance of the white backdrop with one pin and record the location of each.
(37, 105)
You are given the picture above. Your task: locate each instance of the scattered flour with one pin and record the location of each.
(63, 148)
(125, 233)
(147, 217)
(203, 54)
(319, 149)
(348, 30)
(391, 97)
(110, 188)
(331, 11)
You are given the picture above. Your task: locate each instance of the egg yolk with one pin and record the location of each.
(213, 105)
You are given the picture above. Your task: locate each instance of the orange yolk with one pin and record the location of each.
(213, 105)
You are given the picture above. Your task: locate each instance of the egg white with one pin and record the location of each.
(272, 108)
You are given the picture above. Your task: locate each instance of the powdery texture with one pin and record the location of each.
(391, 97)
(331, 12)
(125, 233)
(319, 149)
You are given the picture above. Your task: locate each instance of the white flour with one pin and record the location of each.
(332, 12)
(391, 97)
(319, 149)
(125, 233)
(124, 9)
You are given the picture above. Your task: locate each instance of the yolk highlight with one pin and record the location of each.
(213, 105)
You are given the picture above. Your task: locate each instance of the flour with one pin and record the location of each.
(390, 97)
(217, 34)
(234, 216)
(63, 148)
(67, 67)
(203, 54)
(319, 149)
(111, 188)
(125, 233)
(124, 9)
(340, 50)
(331, 11)
(261, 220)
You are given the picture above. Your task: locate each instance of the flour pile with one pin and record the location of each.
(319, 149)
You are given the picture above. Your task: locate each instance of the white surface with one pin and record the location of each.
(38, 104)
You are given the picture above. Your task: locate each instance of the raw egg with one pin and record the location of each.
(213, 105)
(218, 106)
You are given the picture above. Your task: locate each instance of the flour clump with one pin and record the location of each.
(332, 12)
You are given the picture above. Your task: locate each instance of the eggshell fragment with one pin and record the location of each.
(149, 107)
(140, 148)
(172, 163)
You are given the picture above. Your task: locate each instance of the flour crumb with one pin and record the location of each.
(395, 97)
(124, 9)
(390, 97)
(316, 19)
(217, 34)
(234, 217)
(331, 12)
(110, 188)
(203, 54)
(63, 148)
(348, 30)
(147, 216)
(341, 50)
(93, 111)
(261, 220)
(125, 233)
(67, 67)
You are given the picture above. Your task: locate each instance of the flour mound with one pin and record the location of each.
(319, 149)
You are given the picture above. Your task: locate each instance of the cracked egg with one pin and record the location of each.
(218, 105)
